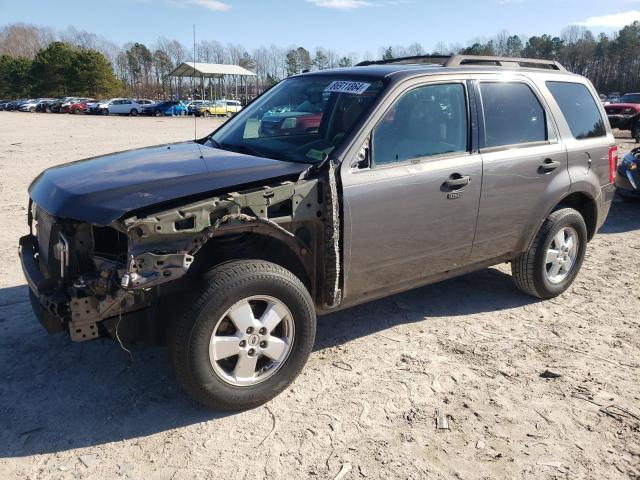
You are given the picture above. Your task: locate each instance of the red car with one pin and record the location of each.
(289, 123)
(625, 116)
(79, 105)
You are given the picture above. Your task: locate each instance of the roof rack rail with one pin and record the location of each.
(419, 59)
(471, 60)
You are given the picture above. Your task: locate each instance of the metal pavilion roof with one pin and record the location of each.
(209, 70)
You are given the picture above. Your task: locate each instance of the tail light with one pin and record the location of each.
(613, 163)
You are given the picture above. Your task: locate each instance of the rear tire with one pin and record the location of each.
(158, 113)
(133, 112)
(533, 271)
(105, 111)
(194, 336)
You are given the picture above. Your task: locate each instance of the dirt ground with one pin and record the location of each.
(365, 405)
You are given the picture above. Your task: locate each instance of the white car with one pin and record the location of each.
(120, 106)
(144, 101)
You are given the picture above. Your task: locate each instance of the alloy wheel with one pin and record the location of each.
(561, 255)
(251, 341)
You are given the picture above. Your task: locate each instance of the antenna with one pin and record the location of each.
(193, 84)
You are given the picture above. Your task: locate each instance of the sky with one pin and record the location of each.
(343, 25)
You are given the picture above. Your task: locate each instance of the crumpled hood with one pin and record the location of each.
(102, 189)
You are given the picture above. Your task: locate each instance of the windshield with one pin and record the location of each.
(302, 119)
(630, 98)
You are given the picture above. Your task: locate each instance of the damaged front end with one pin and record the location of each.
(87, 278)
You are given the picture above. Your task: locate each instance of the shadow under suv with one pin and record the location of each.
(230, 245)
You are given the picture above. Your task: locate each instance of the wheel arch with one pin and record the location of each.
(586, 205)
(259, 244)
(581, 201)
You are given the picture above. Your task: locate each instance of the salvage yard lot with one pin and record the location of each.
(365, 404)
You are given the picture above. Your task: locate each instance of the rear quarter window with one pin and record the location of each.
(579, 109)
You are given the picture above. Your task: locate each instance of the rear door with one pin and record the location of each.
(524, 164)
(126, 106)
(411, 212)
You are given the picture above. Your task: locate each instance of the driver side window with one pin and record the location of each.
(426, 121)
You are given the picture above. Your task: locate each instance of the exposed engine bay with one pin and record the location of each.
(93, 273)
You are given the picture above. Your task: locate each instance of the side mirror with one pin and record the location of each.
(362, 159)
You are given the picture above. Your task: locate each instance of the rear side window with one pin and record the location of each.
(512, 114)
(579, 109)
(426, 121)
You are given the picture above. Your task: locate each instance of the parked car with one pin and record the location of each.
(14, 105)
(56, 106)
(120, 106)
(204, 109)
(44, 106)
(303, 118)
(226, 108)
(290, 123)
(30, 105)
(94, 107)
(76, 106)
(625, 116)
(614, 97)
(195, 105)
(628, 175)
(630, 98)
(3, 104)
(230, 245)
(166, 108)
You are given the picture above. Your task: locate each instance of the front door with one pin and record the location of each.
(411, 212)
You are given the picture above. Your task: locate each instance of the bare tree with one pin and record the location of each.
(21, 40)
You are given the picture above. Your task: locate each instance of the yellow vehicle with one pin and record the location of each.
(203, 109)
(226, 108)
(220, 108)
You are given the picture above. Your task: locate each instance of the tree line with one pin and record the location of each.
(39, 61)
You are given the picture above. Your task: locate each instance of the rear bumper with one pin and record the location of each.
(49, 304)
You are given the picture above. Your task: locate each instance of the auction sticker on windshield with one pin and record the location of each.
(341, 86)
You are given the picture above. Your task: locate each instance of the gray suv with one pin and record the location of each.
(372, 180)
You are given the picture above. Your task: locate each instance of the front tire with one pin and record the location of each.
(554, 259)
(245, 338)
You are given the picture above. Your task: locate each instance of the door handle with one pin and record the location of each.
(549, 165)
(457, 181)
